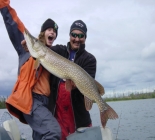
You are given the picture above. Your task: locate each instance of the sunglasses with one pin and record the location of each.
(77, 35)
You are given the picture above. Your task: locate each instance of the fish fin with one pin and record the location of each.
(104, 118)
(36, 64)
(88, 103)
(68, 85)
(111, 113)
(107, 114)
(100, 88)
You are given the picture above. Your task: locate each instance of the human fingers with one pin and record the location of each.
(23, 43)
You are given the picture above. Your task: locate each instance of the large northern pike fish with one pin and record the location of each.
(66, 69)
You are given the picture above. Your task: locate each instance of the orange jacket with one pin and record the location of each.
(20, 99)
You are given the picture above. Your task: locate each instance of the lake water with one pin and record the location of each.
(136, 120)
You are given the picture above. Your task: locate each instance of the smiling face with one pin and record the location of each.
(50, 36)
(76, 38)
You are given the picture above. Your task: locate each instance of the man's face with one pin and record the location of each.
(50, 35)
(76, 38)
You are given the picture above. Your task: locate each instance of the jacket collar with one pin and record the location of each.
(80, 50)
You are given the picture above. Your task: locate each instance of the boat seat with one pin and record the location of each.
(11, 127)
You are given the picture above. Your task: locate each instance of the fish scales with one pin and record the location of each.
(65, 69)
(69, 70)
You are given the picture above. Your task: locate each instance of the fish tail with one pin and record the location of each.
(107, 114)
(104, 118)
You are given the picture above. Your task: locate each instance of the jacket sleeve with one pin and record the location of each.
(14, 26)
(90, 66)
(59, 49)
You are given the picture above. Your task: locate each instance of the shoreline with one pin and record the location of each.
(133, 96)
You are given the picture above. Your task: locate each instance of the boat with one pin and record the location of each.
(91, 133)
(9, 129)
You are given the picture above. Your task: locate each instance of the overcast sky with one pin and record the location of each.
(121, 35)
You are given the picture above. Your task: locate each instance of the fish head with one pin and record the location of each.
(33, 44)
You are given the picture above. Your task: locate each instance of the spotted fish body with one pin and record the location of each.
(66, 69)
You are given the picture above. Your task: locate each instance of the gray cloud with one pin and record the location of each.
(121, 35)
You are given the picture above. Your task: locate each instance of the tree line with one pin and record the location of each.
(132, 96)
